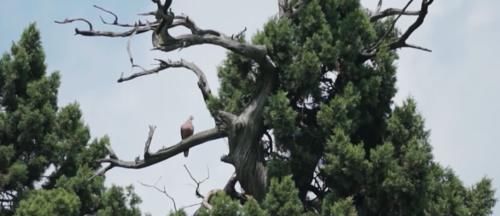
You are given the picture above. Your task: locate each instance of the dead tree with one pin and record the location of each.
(244, 130)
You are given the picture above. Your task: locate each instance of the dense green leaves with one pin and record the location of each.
(349, 149)
(49, 203)
(46, 157)
(282, 198)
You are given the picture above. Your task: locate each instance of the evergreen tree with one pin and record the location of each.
(46, 157)
(331, 115)
(307, 107)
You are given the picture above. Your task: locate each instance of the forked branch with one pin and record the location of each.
(414, 26)
(197, 182)
(164, 153)
(166, 64)
(163, 191)
(401, 41)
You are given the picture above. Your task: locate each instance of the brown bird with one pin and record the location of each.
(187, 130)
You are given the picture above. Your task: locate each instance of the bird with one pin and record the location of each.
(187, 130)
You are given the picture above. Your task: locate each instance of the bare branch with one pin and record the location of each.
(418, 22)
(202, 79)
(65, 21)
(240, 34)
(392, 12)
(401, 41)
(111, 152)
(198, 183)
(166, 153)
(379, 6)
(102, 171)
(128, 47)
(148, 141)
(200, 36)
(189, 206)
(417, 47)
(393, 25)
(137, 30)
(151, 13)
(115, 21)
(163, 191)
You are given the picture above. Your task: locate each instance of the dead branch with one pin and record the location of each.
(164, 153)
(392, 12)
(128, 47)
(198, 183)
(115, 19)
(379, 6)
(401, 41)
(202, 79)
(74, 20)
(148, 141)
(163, 191)
(393, 25)
(418, 22)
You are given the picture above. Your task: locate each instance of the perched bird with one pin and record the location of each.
(187, 130)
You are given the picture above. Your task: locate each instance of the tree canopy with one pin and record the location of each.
(47, 159)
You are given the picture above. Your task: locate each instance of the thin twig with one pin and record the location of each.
(74, 20)
(163, 191)
(198, 183)
(128, 47)
(115, 21)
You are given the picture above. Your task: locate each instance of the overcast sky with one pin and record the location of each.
(455, 85)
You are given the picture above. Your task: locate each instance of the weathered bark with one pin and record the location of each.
(245, 150)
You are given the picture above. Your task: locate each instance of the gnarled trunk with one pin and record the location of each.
(245, 150)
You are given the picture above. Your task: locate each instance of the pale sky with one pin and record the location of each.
(454, 86)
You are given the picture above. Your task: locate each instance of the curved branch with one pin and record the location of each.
(392, 12)
(166, 153)
(198, 183)
(115, 21)
(163, 191)
(255, 52)
(185, 21)
(370, 52)
(202, 79)
(65, 21)
(418, 22)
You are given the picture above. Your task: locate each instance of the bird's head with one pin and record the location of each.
(191, 118)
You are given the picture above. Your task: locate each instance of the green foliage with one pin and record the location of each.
(252, 208)
(222, 205)
(281, 117)
(50, 203)
(282, 198)
(480, 199)
(336, 129)
(37, 138)
(343, 207)
(178, 213)
(118, 201)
